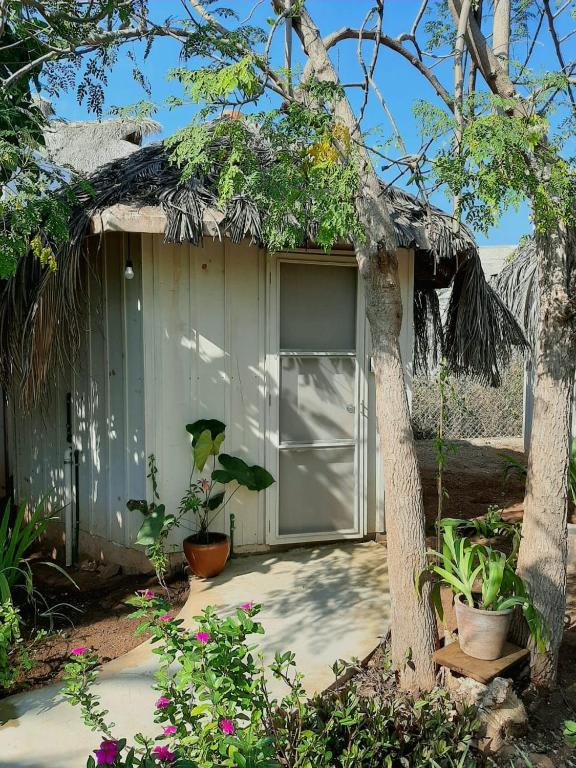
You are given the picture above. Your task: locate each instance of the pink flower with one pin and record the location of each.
(107, 753)
(205, 485)
(202, 637)
(164, 754)
(227, 727)
(80, 651)
(170, 730)
(147, 593)
(166, 617)
(163, 702)
(247, 606)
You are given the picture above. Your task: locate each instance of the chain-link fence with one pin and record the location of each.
(471, 409)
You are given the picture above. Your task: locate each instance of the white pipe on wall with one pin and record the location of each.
(68, 510)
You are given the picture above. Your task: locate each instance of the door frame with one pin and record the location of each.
(315, 257)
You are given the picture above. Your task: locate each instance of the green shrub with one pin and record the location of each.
(215, 707)
(16, 539)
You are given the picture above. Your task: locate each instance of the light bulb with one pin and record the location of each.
(128, 270)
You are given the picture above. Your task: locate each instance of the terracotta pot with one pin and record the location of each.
(207, 555)
(482, 634)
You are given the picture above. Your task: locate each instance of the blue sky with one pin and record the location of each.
(400, 84)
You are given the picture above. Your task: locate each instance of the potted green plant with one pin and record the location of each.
(486, 591)
(207, 551)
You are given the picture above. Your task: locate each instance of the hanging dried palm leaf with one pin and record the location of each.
(481, 332)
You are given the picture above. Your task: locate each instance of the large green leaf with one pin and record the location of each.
(254, 477)
(206, 446)
(217, 443)
(152, 526)
(214, 426)
(141, 505)
(202, 449)
(215, 501)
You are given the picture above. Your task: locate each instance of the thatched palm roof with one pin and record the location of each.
(147, 177)
(517, 285)
(39, 310)
(86, 146)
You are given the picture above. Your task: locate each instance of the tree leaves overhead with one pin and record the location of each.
(52, 47)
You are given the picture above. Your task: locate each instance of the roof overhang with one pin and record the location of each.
(146, 219)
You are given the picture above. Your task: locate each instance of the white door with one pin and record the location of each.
(317, 407)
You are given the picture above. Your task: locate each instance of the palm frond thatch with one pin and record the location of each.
(480, 329)
(517, 286)
(40, 310)
(428, 330)
(87, 145)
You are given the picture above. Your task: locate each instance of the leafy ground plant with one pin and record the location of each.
(18, 533)
(214, 707)
(491, 525)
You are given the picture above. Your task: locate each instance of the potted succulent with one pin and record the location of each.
(207, 551)
(486, 591)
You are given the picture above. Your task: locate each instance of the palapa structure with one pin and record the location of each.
(276, 345)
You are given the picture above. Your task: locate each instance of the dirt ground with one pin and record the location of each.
(473, 477)
(93, 614)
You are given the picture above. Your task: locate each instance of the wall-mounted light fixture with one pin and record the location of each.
(129, 270)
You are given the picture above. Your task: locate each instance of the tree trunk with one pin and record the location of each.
(542, 558)
(414, 635)
(412, 619)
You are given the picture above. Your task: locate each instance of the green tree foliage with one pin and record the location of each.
(54, 46)
(310, 176)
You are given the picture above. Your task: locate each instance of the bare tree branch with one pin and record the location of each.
(348, 33)
(557, 47)
(488, 64)
(501, 31)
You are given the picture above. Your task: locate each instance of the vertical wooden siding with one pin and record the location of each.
(107, 390)
(203, 341)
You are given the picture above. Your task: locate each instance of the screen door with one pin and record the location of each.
(318, 394)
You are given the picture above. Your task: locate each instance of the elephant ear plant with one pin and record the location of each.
(204, 497)
(481, 578)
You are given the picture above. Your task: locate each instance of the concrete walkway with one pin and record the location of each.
(324, 603)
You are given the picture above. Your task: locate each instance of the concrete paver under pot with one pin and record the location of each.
(324, 603)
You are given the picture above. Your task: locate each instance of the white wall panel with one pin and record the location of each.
(203, 316)
(106, 384)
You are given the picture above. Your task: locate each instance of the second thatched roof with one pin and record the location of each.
(85, 146)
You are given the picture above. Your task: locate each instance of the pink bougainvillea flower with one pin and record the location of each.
(247, 606)
(202, 637)
(107, 753)
(166, 617)
(227, 727)
(170, 730)
(80, 651)
(147, 593)
(163, 702)
(163, 754)
(205, 485)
